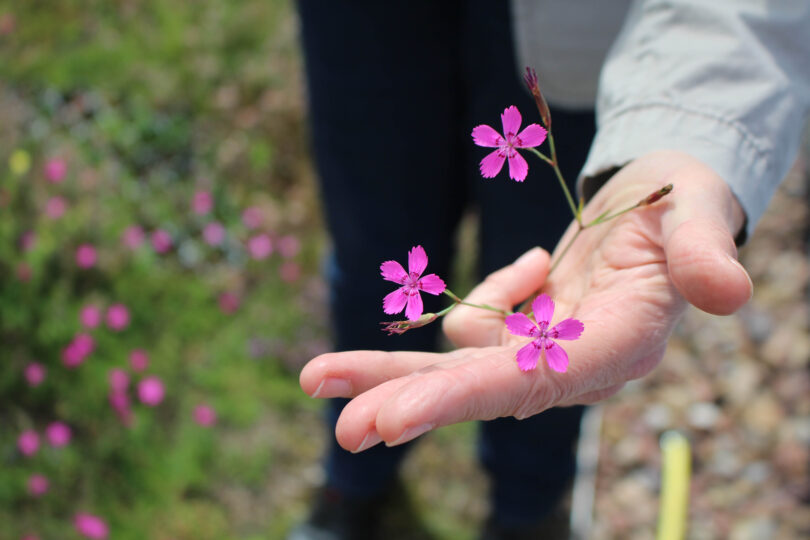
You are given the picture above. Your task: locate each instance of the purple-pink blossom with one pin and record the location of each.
(202, 202)
(86, 256)
(58, 434)
(161, 241)
(27, 240)
(117, 317)
(37, 485)
(204, 415)
(91, 526)
(90, 316)
(151, 391)
(412, 282)
(260, 246)
(289, 271)
(28, 442)
(55, 207)
(118, 379)
(252, 217)
(543, 343)
(55, 170)
(507, 144)
(133, 236)
(120, 403)
(228, 302)
(34, 374)
(138, 360)
(78, 350)
(213, 233)
(289, 246)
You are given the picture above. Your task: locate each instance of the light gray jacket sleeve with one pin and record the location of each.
(727, 81)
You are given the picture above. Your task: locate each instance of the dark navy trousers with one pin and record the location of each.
(395, 89)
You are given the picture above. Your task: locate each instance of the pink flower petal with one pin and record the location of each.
(557, 358)
(543, 307)
(414, 309)
(58, 434)
(151, 391)
(492, 164)
(417, 260)
(393, 271)
(484, 135)
(567, 329)
(527, 357)
(518, 168)
(91, 526)
(395, 302)
(532, 136)
(432, 284)
(511, 121)
(520, 325)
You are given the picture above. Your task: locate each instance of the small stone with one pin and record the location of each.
(703, 415)
(658, 416)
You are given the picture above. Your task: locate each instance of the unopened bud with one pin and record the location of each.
(540, 101)
(400, 327)
(656, 196)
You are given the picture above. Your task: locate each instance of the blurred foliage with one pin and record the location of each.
(147, 102)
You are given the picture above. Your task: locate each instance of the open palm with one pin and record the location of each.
(628, 281)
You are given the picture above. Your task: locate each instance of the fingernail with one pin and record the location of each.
(410, 434)
(332, 387)
(369, 440)
(739, 265)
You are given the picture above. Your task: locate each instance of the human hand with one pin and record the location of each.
(627, 280)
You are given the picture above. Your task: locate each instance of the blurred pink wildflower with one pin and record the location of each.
(28, 442)
(118, 379)
(27, 240)
(34, 374)
(117, 317)
(289, 271)
(37, 485)
(120, 403)
(543, 345)
(213, 233)
(91, 526)
(204, 415)
(151, 391)
(86, 256)
(132, 237)
(507, 144)
(55, 207)
(77, 350)
(202, 202)
(90, 316)
(289, 246)
(55, 170)
(24, 272)
(161, 241)
(252, 217)
(407, 297)
(138, 360)
(228, 302)
(260, 246)
(58, 434)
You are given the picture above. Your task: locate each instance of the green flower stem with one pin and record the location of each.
(458, 301)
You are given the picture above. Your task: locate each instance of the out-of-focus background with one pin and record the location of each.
(160, 243)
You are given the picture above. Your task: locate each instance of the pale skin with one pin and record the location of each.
(628, 281)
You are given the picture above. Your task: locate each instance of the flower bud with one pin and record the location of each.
(534, 88)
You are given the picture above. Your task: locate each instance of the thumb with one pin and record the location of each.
(467, 326)
(700, 250)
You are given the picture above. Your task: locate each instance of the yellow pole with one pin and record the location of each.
(675, 473)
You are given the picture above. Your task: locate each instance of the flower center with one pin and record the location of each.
(412, 284)
(508, 147)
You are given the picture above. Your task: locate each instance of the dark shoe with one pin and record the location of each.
(553, 527)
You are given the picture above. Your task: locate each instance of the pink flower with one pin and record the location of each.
(543, 344)
(90, 316)
(24, 272)
(133, 237)
(252, 217)
(289, 246)
(228, 302)
(506, 145)
(37, 485)
(151, 391)
(119, 401)
(58, 434)
(138, 360)
(260, 246)
(55, 170)
(161, 241)
(213, 233)
(407, 296)
(34, 374)
(202, 202)
(117, 317)
(27, 240)
(119, 380)
(55, 207)
(204, 415)
(86, 256)
(77, 350)
(28, 442)
(289, 271)
(91, 526)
